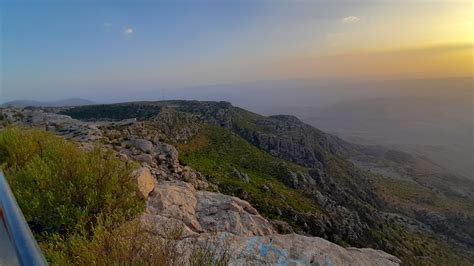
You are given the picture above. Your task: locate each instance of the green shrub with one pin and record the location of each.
(82, 206)
(127, 244)
(61, 189)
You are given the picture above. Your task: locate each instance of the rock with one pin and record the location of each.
(293, 249)
(161, 158)
(282, 227)
(145, 182)
(167, 150)
(245, 178)
(267, 187)
(221, 213)
(142, 145)
(145, 158)
(175, 200)
(203, 211)
(161, 225)
(242, 176)
(122, 157)
(194, 178)
(227, 223)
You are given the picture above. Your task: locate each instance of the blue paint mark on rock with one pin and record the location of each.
(329, 262)
(251, 243)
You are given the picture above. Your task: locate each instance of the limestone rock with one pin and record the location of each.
(145, 158)
(295, 249)
(243, 176)
(282, 227)
(204, 211)
(227, 222)
(142, 145)
(175, 200)
(167, 150)
(221, 213)
(145, 182)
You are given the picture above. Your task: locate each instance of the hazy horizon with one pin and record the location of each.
(226, 91)
(95, 49)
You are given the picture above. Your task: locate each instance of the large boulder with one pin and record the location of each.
(221, 213)
(203, 211)
(145, 182)
(230, 225)
(167, 152)
(142, 145)
(175, 200)
(291, 249)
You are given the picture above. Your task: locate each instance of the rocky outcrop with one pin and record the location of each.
(62, 125)
(249, 239)
(203, 211)
(292, 249)
(141, 144)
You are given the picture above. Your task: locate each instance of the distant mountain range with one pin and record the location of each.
(62, 103)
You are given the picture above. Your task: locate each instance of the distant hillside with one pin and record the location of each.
(65, 102)
(437, 128)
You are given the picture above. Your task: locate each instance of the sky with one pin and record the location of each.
(106, 49)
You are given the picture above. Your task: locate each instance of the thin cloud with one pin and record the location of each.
(128, 31)
(437, 49)
(350, 20)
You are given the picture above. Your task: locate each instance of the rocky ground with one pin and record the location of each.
(180, 197)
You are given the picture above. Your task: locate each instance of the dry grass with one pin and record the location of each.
(132, 244)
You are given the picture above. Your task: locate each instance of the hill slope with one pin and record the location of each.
(302, 177)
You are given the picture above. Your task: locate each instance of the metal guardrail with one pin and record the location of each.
(27, 250)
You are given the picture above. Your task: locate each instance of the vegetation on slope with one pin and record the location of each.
(64, 191)
(243, 140)
(112, 111)
(435, 209)
(217, 153)
(82, 206)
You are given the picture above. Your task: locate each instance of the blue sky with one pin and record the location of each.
(55, 49)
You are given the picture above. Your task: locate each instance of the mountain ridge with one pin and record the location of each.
(275, 162)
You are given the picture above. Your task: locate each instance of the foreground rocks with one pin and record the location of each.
(205, 212)
(233, 226)
(293, 249)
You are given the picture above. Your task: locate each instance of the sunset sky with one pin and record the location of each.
(57, 49)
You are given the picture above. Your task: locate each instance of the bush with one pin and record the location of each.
(128, 244)
(61, 189)
(132, 244)
(82, 206)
